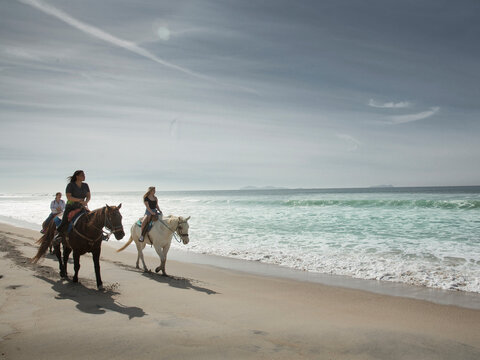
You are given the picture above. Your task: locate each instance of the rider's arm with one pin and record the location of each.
(88, 198)
(74, 199)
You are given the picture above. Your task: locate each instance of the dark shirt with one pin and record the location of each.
(152, 204)
(77, 192)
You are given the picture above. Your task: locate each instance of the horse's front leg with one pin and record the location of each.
(96, 264)
(58, 253)
(76, 265)
(66, 254)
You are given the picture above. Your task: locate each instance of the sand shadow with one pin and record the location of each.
(173, 281)
(91, 301)
(177, 282)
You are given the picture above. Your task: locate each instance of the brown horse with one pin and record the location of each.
(86, 236)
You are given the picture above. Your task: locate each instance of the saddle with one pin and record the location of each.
(149, 225)
(73, 214)
(73, 217)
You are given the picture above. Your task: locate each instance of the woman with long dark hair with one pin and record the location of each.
(78, 195)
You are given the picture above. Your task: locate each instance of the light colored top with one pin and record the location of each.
(54, 205)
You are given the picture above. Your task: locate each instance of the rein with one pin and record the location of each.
(173, 231)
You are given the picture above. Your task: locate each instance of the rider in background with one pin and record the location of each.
(151, 204)
(78, 195)
(56, 207)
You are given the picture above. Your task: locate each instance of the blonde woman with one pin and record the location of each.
(151, 204)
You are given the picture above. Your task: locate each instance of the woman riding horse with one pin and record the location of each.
(152, 209)
(78, 196)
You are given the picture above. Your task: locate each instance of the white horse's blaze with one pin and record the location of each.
(160, 237)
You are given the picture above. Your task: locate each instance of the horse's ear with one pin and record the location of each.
(108, 207)
(119, 206)
(187, 218)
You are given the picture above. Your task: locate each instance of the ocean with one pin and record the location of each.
(427, 236)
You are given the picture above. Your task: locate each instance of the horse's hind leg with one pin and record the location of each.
(96, 264)
(76, 266)
(162, 254)
(140, 257)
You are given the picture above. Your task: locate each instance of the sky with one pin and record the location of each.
(203, 94)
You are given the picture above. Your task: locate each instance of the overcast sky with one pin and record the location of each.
(204, 94)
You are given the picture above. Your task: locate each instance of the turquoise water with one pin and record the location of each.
(421, 236)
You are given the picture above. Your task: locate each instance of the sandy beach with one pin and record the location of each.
(205, 312)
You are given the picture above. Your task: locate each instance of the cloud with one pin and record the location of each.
(353, 144)
(163, 33)
(389, 105)
(400, 119)
(20, 53)
(125, 44)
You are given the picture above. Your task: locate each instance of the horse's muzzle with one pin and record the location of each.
(119, 234)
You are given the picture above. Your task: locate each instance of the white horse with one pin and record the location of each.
(160, 236)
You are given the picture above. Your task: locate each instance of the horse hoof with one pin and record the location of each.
(75, 280)
(157, 269)
(100, 287)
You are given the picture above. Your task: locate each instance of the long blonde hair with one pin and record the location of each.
(150, 189)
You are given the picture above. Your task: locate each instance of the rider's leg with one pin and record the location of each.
(145, 222)
(64, 224)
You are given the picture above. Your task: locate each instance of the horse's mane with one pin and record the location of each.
(94, 213)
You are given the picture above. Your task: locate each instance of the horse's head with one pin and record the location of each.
(182, 229)
(113, 221)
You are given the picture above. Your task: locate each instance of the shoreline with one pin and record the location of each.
(208, 312)
(464, 299)
(438, 296)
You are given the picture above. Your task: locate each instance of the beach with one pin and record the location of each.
(207, 312)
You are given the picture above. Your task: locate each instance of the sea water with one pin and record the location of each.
(421, 236)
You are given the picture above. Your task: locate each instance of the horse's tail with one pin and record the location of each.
(44, 241)
(126, 245)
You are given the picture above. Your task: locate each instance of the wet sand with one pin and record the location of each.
(206, 312)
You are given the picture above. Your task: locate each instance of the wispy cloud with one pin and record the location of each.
(400, 119)
(125, 44)
(353, 144)
(20, 53)
(389, 105)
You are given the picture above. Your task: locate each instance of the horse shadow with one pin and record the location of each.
(92, 301)
(173, 281)
(177, 282)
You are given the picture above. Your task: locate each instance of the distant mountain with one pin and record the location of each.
(261, 188)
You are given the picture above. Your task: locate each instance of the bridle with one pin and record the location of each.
(109, 225)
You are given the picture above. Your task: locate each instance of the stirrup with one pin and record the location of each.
(57, 240)
(141, 238)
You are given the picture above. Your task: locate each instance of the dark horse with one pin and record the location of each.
(86, 236)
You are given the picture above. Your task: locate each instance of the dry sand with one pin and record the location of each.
(203, 312)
